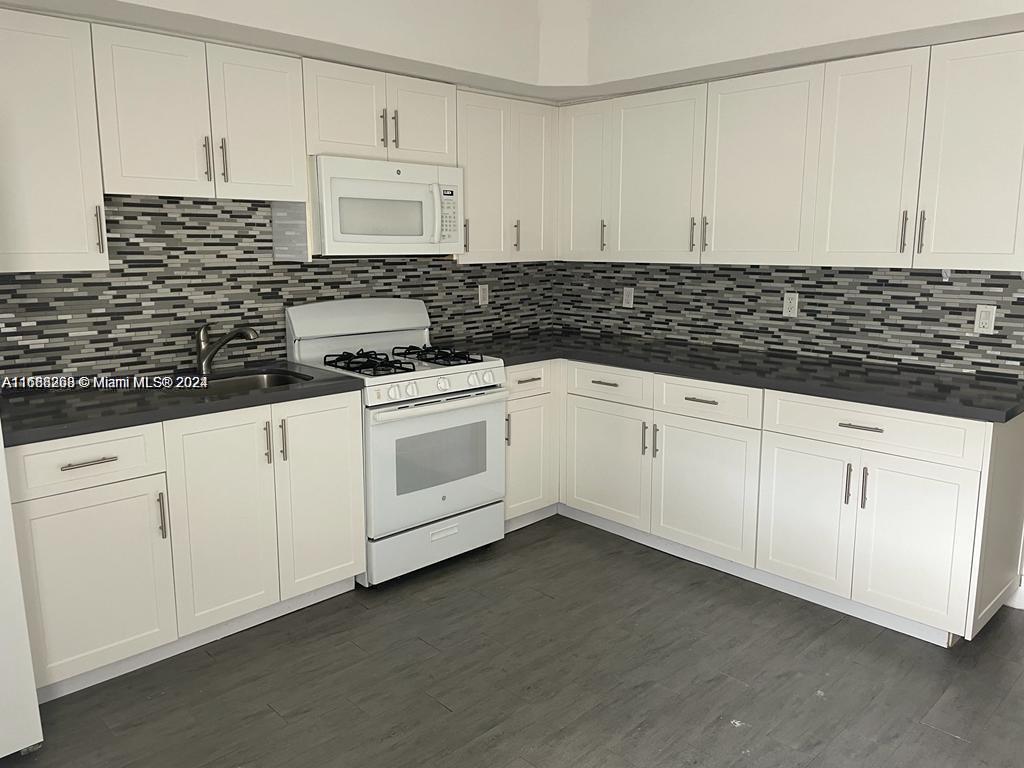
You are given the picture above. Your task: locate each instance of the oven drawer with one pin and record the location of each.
(528, 379)
(725, 403)
(84, 461)
(434, 542)
(942, 439)
(605, 383)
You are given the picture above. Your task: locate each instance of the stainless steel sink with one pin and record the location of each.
(226, 383)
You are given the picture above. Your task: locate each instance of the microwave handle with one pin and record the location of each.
(435, 190)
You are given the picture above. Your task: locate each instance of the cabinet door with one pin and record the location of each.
(96, 570)
(154, 113)
(658, 175)
(534, 175)
(807, 514)
(51, 188)
(915, 539)
(346, 110)
(872, 130)
(484, 155)
(608, 460)
(257, 121)
(705, 485)
(971, 173)
(319, 477)
(422, 128)
(585, 136)
(761, 167)
(531, 455)
(220, 476)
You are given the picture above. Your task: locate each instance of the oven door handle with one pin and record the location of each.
(435, 191)
(444, 406)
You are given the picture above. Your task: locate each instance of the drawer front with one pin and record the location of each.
(942, 439)
(619, 385)
(724, 403)
(68, 464)
(529, 379)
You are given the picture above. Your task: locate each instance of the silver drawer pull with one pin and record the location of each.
(700, 400)
(529, 380)
(91, 463)
(604, 383)
(861, 427)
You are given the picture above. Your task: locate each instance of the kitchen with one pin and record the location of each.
(512, 394)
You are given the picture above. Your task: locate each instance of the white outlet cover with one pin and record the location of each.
(985, 319)
(790, 304)
(627, 297)
(483, 295)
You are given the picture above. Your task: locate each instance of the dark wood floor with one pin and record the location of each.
(560, 647)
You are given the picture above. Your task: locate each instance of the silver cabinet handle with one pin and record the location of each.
(604, 226)
(700, 400)
(849, 477)
(394, 140)
(529, 380)
(693, 229)
(208, 153)
(518, 228)
(920, 232)
(384, 123)
(101, 237)
(703, 233)
(604, 383)
(508, 429)
(903, 230)
(861, 427)
(654, 443)
(864, 488)
(465, 234)
(269, 453)
(224, 156)
(284, 439)
(163, 514)
(90, 463)
(643, 440)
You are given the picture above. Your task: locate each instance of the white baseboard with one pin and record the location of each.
(187, 643)
(843, 605)
(530, 518)
(1016, 599)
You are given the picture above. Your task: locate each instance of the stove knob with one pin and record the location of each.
(394, 392)
(443, 385)
(410, 389)
(488, 377)
(473, 380)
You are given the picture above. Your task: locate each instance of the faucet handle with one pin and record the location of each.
(202, 332)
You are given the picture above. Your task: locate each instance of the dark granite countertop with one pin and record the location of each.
(981, 398)
(33, 416)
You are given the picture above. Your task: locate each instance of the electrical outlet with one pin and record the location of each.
(483, 295)
(790, 304)
(985, 319)
(627, 296)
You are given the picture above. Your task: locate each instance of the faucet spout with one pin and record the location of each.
(206, 349)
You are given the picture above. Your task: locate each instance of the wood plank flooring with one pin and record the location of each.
(560, 647)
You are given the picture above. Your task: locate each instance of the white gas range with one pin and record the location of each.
(433, 429)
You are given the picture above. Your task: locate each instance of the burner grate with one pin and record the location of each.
(437, 355)
(368, 363)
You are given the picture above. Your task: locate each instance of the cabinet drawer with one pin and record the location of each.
(71, 463)
(942, 439)
(616, 384)
(725, 403)
(529, 379)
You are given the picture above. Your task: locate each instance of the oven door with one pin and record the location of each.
(433, 458)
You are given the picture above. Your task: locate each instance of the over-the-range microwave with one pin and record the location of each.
(364, 207)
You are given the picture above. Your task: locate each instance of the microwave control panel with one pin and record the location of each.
(450, 224)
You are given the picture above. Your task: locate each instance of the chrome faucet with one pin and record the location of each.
(205, 349)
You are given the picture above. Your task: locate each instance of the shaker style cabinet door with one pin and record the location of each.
(761, 167)
(658, 175)
(51, 187)
(531, 454)
(154, 113)
(585, 138)
(346, 110)
(422, 121)
(485, 158)
(534, 181)
(96, 571)
(970, 213)
(871, 135)
(258, 128)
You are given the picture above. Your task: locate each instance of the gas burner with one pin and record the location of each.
(437, 355)
(368, 363)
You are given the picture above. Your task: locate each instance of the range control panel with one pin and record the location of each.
(450, 225)
(433, 385)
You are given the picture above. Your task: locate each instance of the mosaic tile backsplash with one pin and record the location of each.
(177, 262)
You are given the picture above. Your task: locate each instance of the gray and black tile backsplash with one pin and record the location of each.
(175, 263)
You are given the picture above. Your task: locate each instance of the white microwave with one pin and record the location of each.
(375, 208)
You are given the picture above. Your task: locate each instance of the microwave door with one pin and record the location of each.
(381, 212)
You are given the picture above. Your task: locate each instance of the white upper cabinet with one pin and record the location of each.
(761, 167)
(346, 110)
(154, 113)
(485, 125)
(970, 214)
(585, 139)
(534, 180)
(257, 121)
(871, 134)
(657, 175)
(422, 126)
(51, 187)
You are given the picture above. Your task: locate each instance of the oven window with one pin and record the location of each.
(435, 458)
(376, 216)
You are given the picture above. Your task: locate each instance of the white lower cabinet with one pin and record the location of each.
(531, 455)
(915, 539)
(220, 476)
(96, 572)
(705, 485)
